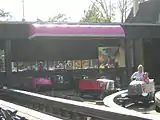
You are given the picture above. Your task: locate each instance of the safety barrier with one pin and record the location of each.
(68, 109)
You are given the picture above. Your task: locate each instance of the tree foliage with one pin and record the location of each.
(92, 15)
(39, 20)
(124, 7)
(99, 12)
(4, 14)
(106, 7)
(59, 18)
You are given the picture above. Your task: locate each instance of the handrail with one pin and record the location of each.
(73, 107)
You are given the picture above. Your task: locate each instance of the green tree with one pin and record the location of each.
(99, 12)
(59, 18)
(92, 15)
(4, 14)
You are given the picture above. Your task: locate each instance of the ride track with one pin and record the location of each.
(69, 109)
(124, 104)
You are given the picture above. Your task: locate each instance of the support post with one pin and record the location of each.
(134, 55)
(8, 65)
(139, 52)
(128, 61)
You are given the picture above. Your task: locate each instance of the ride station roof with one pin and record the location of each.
(54, 30)
(67, 42)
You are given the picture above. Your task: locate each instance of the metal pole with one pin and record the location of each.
(8, 66)
(23, 19)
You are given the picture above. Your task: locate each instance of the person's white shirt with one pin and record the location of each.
(137, 75)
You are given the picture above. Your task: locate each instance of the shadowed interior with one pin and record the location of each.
(59, 48)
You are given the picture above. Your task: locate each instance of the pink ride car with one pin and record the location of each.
(37, 83)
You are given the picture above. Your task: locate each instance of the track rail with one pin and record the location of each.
(68, 109)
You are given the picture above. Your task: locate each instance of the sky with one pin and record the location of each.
(43, 9)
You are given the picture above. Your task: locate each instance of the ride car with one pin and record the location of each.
(36, 83)
(141, 91)
(99, 87)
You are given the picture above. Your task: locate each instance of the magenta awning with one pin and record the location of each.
(47, 30)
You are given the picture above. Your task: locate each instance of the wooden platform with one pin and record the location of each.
(25, 112)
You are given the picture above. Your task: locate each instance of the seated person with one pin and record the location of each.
(138, 74)
(145, 77)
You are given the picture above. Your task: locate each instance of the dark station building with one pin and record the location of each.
(148, 12)
(18, 47)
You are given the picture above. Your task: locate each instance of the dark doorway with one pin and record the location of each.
(152, 58)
